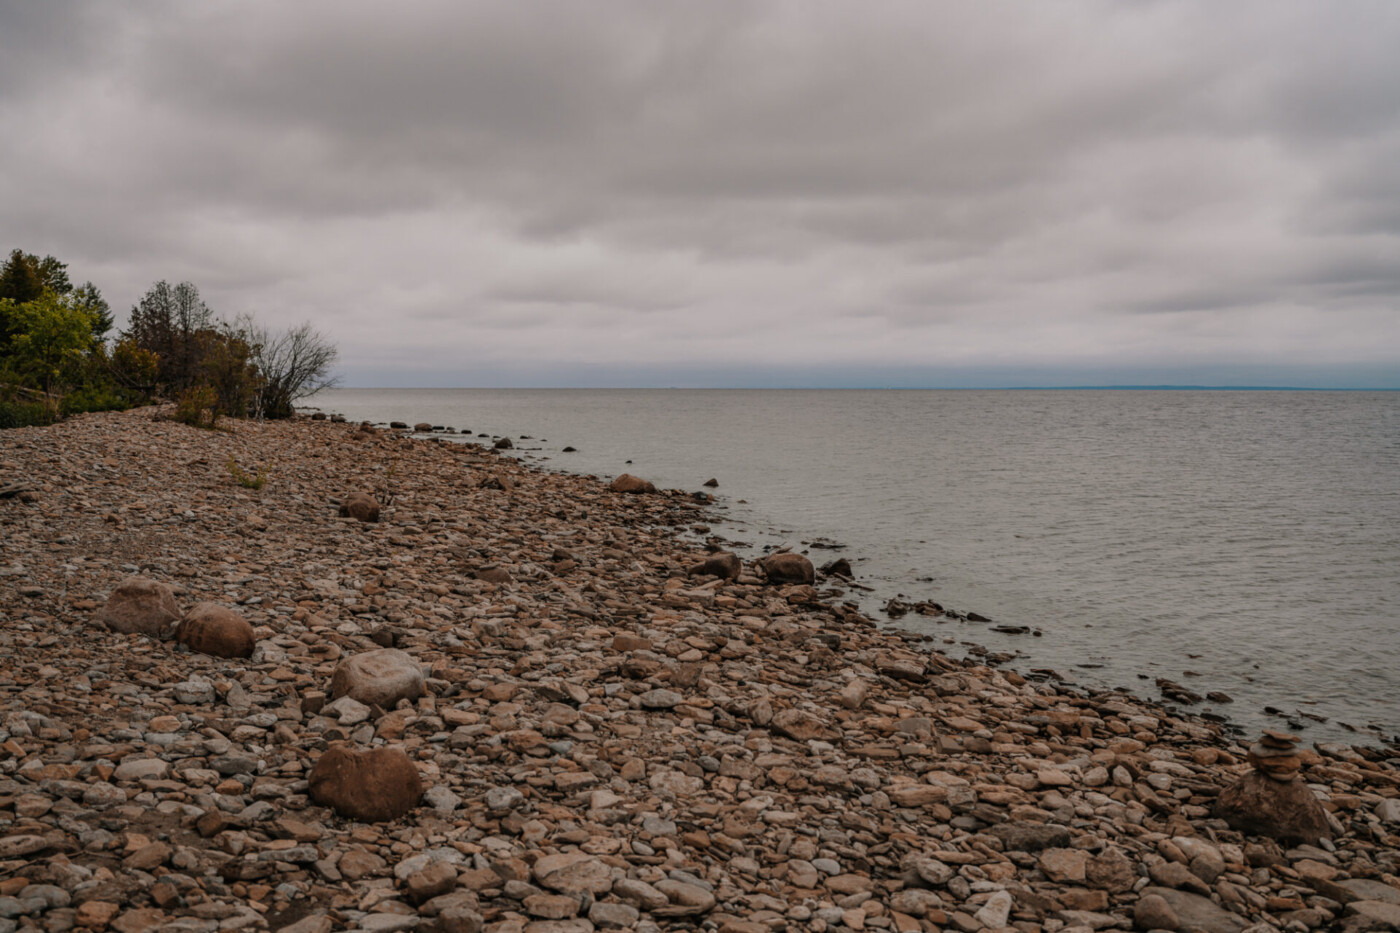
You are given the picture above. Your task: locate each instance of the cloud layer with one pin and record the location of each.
(748, 193)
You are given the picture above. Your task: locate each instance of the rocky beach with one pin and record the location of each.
(316, 676)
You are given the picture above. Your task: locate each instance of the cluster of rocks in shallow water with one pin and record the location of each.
(607, 735)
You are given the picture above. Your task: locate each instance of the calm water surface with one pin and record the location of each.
(1241, 542)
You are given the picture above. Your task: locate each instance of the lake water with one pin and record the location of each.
(1239, 542)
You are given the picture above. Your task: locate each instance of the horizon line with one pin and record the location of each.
(1165, 387)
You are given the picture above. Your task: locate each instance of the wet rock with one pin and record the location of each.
(724, 565)
(628, 483)
(373, 785)
(212, 629)
(140, 606)
(787, 568)
(840, 567)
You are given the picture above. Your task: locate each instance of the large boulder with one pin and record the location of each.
(631, 484)
(216, 630)
(724, 565)
(788, 568)
(381, 677)
(423, 427)
(1284, 810)
(371, 785)
(360, 506)
(140, 606)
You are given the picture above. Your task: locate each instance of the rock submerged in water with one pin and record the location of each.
(216, 630)
(788, 568)
(360, 506)
(140, 606)
(631, 484)
(504, 443)
(371, 785)
(423, 427)
(381, 677)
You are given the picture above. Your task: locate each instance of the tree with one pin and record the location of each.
(168, 322)
(19, 284)
(20, 279)
(293, 364)
(52, 335)
(90, 299)
(52, 273)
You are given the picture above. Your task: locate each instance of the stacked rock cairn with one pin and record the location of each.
(1276, 756)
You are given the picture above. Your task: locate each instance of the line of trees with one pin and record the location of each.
(57, 355)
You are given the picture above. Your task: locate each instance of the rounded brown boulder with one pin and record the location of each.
(631, 484)
(381, 677)
(1284, 810)
(371, 785)
(726, 566)
(140, 606)
(360, 506)
(788, 568)
(216, 630)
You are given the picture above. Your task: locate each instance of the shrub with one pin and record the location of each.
(198, 407)
(246, 480)
(97, 398)
(15, 413)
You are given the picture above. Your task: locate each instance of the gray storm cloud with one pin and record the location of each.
(759, 193)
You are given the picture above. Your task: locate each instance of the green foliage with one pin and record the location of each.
(51, 336)
(173, 322)
(23, 413)
(87, 296)
(54, 346)
(133, 367)
(98, 397)
(20, 280)
(225, 364)
(246, 480)
(198, 407)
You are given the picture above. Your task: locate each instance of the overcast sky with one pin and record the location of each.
(716, 193)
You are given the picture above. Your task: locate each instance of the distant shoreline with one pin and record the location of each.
(1091, 388)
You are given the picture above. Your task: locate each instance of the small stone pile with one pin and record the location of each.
(1276, 756)
(1270, 800)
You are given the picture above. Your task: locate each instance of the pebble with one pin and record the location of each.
(604, 741)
